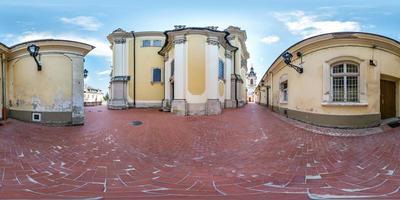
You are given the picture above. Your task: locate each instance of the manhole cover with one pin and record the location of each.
(136, 123)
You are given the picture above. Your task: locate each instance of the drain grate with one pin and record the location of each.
(394, 124)
(136, 123)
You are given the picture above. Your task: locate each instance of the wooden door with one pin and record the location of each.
(388, 99)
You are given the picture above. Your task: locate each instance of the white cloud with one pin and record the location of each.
(270, 39)
(85, 22)
(105, 72)
(102, 47)
(299, 23)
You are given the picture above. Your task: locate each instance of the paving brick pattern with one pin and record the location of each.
(246, 153)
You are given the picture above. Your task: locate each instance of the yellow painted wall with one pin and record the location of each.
(305, 90)
(146, 59)
(196, 72)
(46, 90)
(221, 89)
(129, 42)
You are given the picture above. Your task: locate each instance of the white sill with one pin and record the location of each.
(283, 102)
(344, 104)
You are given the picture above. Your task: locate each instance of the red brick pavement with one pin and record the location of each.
(246, 153)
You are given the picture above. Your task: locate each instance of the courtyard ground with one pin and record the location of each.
(247, 153)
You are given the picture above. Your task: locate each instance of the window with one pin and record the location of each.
(146, 43)
(156, 75)
(157, 43)
(251, 81)
(172, 67)
(344, 82)
(221, 70)
(284, 91)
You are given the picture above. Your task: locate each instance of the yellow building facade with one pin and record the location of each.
(349, 79)
(50, 91)
(187, 70)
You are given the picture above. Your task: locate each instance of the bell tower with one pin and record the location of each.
(251, 84)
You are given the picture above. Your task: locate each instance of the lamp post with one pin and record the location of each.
(287, 58)
(33, 50)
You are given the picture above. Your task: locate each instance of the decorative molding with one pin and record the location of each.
(212, 27)
(212, 41)
(179, 40)
(228, 54)
(230, 37)
(119, 40)
(179, 27)
(166, 57)
(243, 62)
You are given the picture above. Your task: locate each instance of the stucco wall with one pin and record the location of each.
(306, 90)
(47, 90)
(146, 59)
(196, 72)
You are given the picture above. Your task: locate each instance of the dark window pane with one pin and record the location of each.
(338, 89)
(157, 75)
(146, 43)
(352, 88)
(157, 43)
(338, 69)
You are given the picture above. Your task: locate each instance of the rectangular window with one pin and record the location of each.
(156, 75)
(157, 43)
(345, 83)
(221, 70)
(284, 91)
(146, 43)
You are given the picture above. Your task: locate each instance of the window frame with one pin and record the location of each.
(221, 64)
(284, 91)
(345, 75)
(143, 42)
(152, 75)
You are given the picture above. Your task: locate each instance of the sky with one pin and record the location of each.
(271, 25)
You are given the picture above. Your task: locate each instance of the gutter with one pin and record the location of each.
(134, 69)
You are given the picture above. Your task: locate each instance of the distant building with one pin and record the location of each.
(92, 96)
(251, 84)
(187, 70)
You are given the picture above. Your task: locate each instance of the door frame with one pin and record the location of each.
(396, 95)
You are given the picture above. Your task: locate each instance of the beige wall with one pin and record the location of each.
(196, 72)
(46, 90)
(146, 59)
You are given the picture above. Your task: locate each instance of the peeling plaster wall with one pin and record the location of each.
(49, 90)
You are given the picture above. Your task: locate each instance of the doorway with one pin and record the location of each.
(388, 99)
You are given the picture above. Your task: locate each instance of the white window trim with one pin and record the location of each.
(152, 74)
(282, 79)
(344, 75)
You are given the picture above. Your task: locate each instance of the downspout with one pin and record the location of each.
(234, 72)
(134, 69)
(3, 88)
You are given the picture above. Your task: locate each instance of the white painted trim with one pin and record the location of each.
(344, 104)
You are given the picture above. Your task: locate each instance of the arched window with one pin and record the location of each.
(344, 82)
(221, 69)
(156, 75)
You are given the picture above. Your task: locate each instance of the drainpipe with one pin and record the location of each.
(134, 69)
(3, 84)
(234, 72)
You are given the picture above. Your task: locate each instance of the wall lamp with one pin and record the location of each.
(33, 50)
(85, 73)
(287, 58)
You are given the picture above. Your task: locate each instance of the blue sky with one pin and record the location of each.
(271, 25)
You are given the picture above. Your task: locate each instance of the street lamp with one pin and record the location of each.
(33, 50)
(287, 58)
(85, 73)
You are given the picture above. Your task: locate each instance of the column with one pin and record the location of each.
(213, 105)
(78, 114)
(179, 103)
(118, 99)
(228, 79)
(166, 104)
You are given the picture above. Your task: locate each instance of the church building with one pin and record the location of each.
(187, 70)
